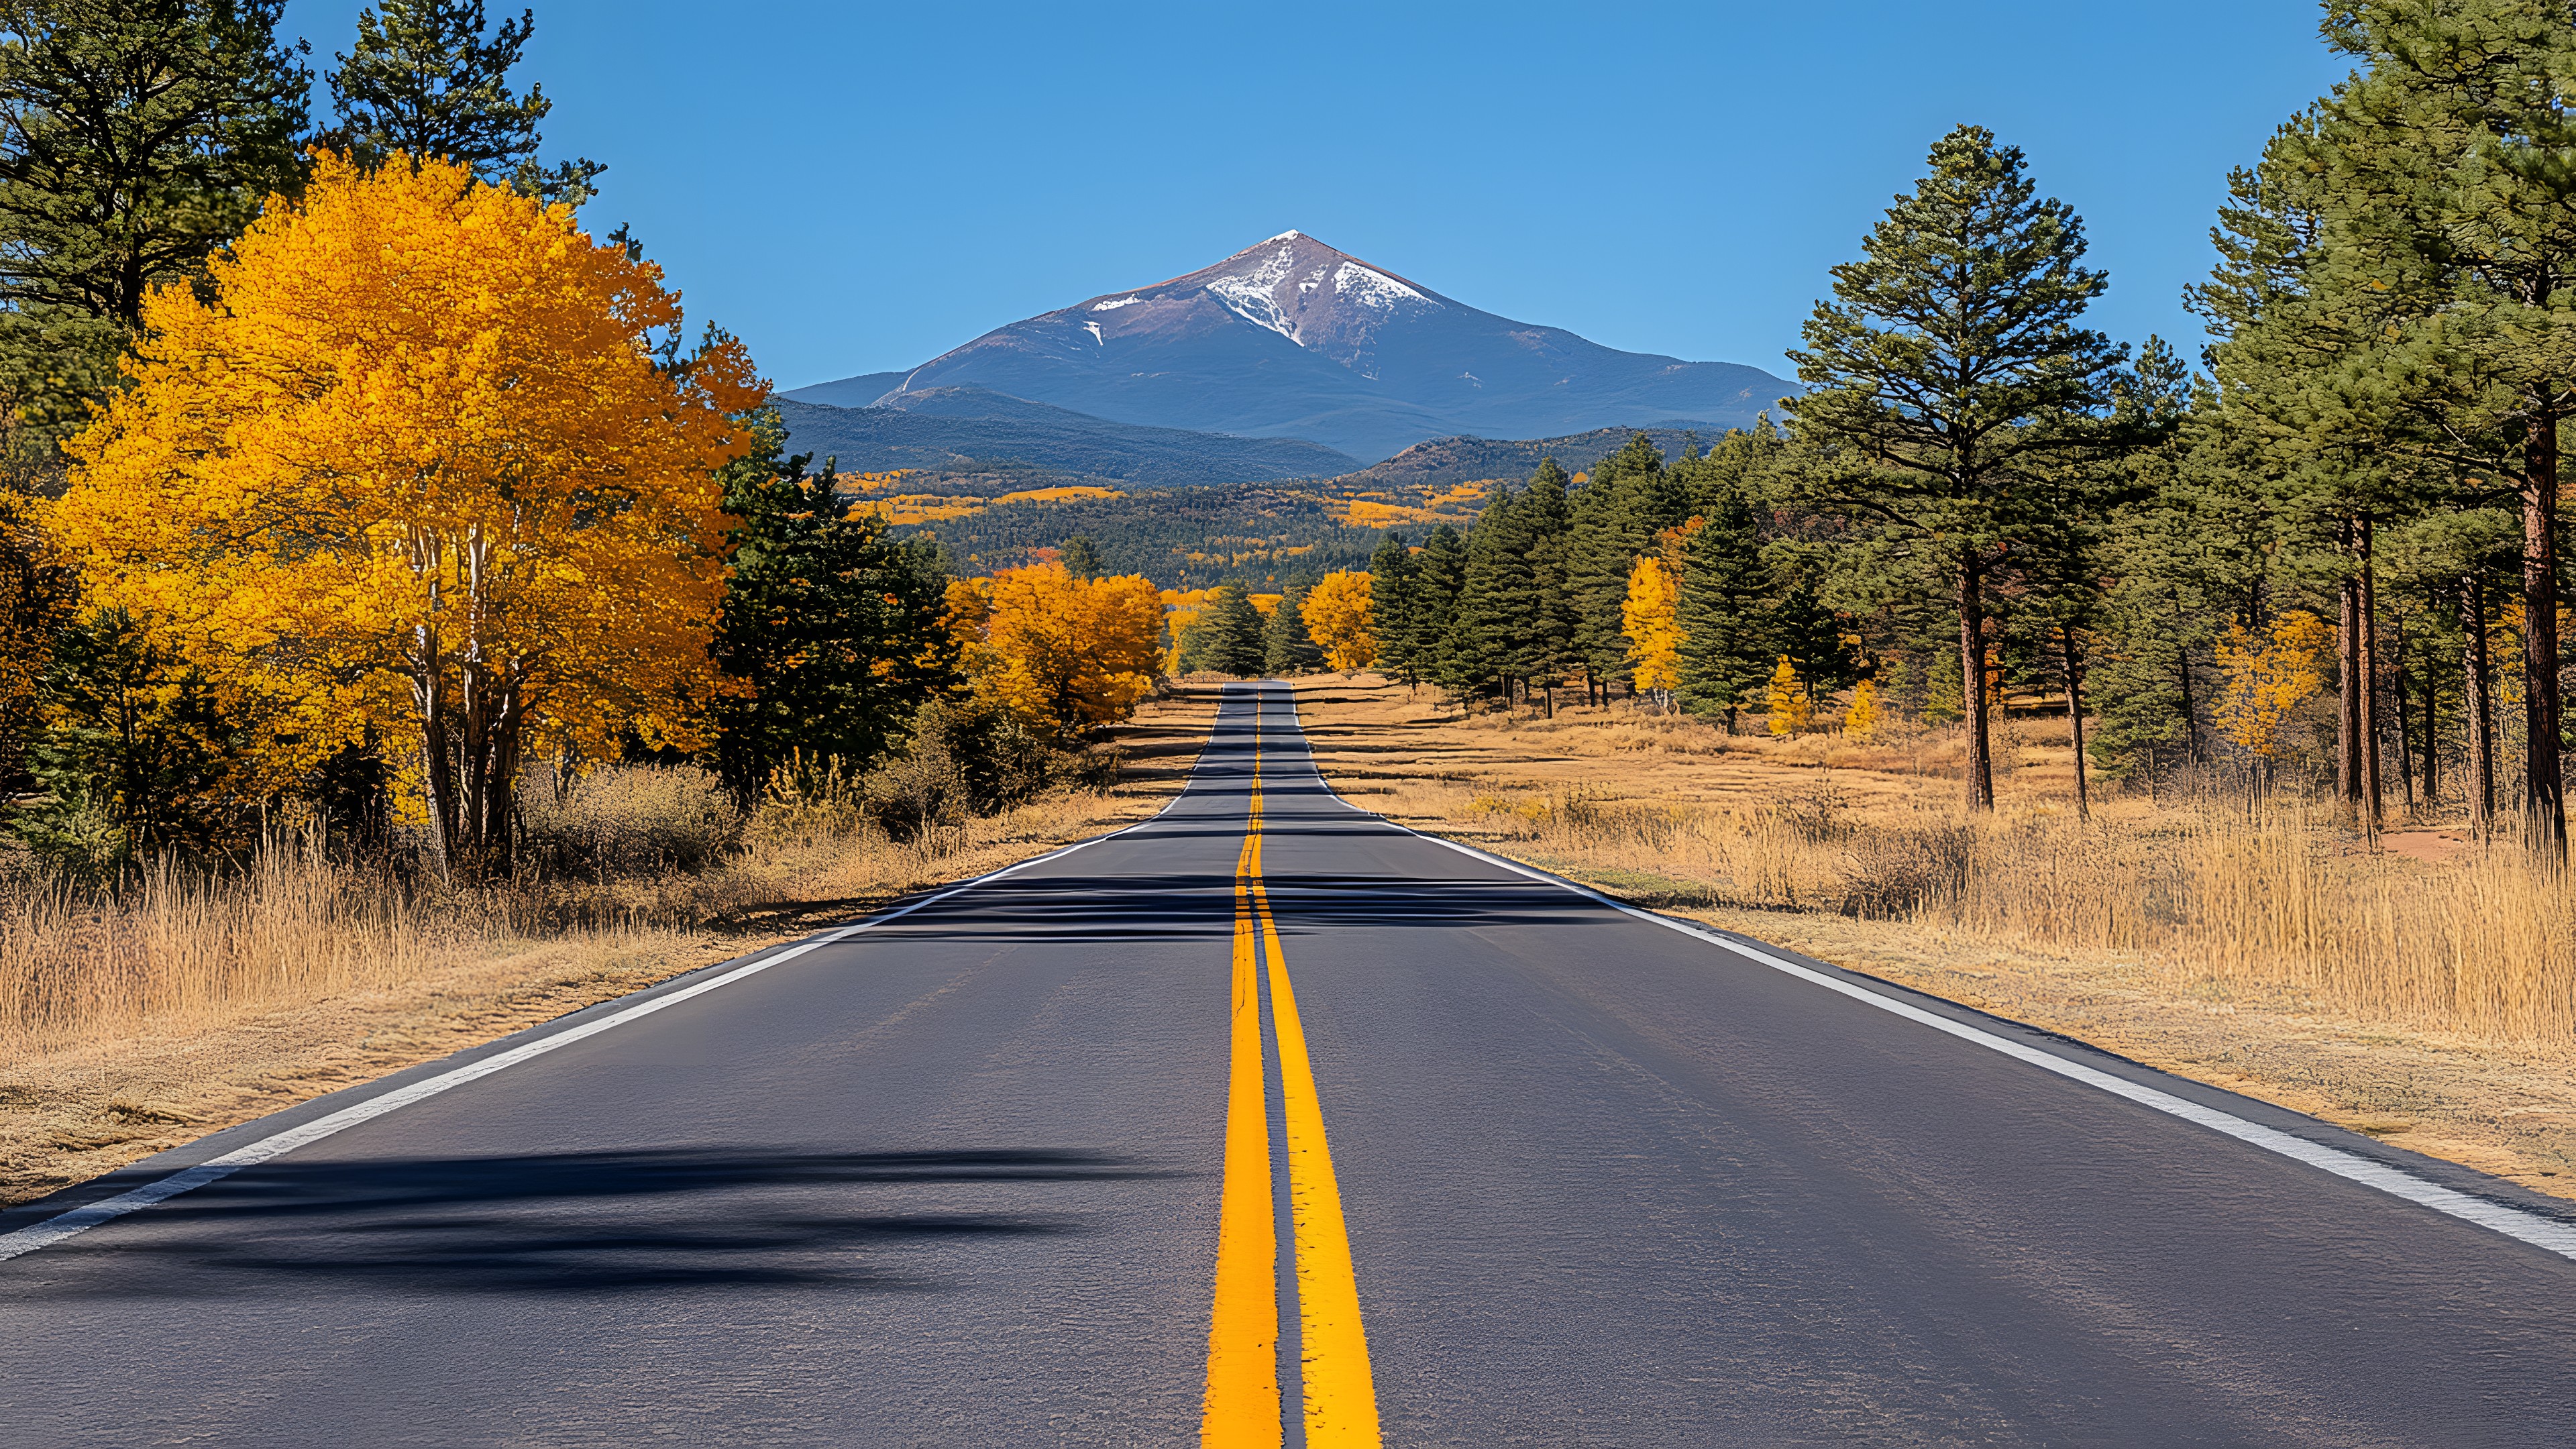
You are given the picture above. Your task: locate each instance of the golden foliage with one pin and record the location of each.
(1065, 654)
(1059, 495)
(1337, 619)
(1861, 720)
(1791, 707)
(2268, 676)
(414, 470)
(1650, 618)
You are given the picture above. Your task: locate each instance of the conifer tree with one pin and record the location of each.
(136, 137)
(426, 82)
(1949, 381)
(1496, 598)
(1542, 648)
(1230, 634)
(2447, 233)
(1627, 499)
(1726, 646)
(1392, 575)
(1287, 647)
(1439, 577)
(833, 627)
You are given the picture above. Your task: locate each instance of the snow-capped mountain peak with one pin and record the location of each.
(1292, 338)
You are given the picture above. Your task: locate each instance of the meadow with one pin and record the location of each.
(2419, 984)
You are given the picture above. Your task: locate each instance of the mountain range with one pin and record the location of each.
(969, 429)
(1291, 339)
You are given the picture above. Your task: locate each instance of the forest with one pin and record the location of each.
(2326, 557)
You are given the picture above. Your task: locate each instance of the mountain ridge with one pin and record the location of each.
(944, 430)
(1291, 338)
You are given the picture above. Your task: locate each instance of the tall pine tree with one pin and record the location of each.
(1950, 376)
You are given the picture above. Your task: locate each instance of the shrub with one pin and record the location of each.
(631, 820)
(1894, 873)
(970, 759)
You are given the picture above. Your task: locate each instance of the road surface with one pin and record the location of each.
(1269, 1121)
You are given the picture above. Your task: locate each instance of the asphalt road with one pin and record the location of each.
(958, 1180)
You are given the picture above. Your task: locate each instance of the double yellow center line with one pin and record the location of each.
(1243, 1405)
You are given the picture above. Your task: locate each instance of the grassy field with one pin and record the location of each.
(194, 1005)
(2421, 988)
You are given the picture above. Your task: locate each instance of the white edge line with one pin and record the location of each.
(79, 1220)
(2541, 1232)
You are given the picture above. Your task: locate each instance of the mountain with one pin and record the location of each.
(962, 429)
(1446, 462)
(1293, 339)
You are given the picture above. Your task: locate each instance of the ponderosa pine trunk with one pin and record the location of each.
(2477, 701)
(2075, 716)
(2369, 690)
(1972, 679)
(2348, 682)
(2544, 804)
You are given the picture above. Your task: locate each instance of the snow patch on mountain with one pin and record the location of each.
(1253, 295)
(1372, 288)
(1126, 301)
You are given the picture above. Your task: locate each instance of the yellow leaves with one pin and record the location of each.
(418, 425)
(1063, 653)
(1792, 708)
(1861, 720)
(1650, 618)
(2268, 675)
(1338, 620)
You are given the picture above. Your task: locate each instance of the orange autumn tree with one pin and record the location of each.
(414, 473)
(1338, 620)
(1064, 653)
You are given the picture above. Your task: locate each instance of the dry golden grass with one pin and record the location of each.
(2427, 994)
(192, 1005)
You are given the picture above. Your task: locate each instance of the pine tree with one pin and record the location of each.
(1544, 650)
(2446, 230)
(1392, 574)
(834, 627)
(1439, 577)
(1081, 557)
(1230, 634)
(1726, 647)
(1495, 601)
(136, 137)
(1966, 307)
(1627, 500)
(426, 82)
(1287, 647)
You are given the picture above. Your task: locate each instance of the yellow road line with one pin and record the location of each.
(1242, 1406)
(1341, 1393)
(1241, 1409)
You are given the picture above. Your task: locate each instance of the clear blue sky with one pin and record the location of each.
(859, 187)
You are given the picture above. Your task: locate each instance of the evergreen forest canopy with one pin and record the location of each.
(2325, 549)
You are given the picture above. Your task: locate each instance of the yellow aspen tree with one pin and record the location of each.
(2268, 675)
(1064, 653)
(1861, 720)
(1650, 618)
(1790, 706)
(414, 473)
(1338, 620)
